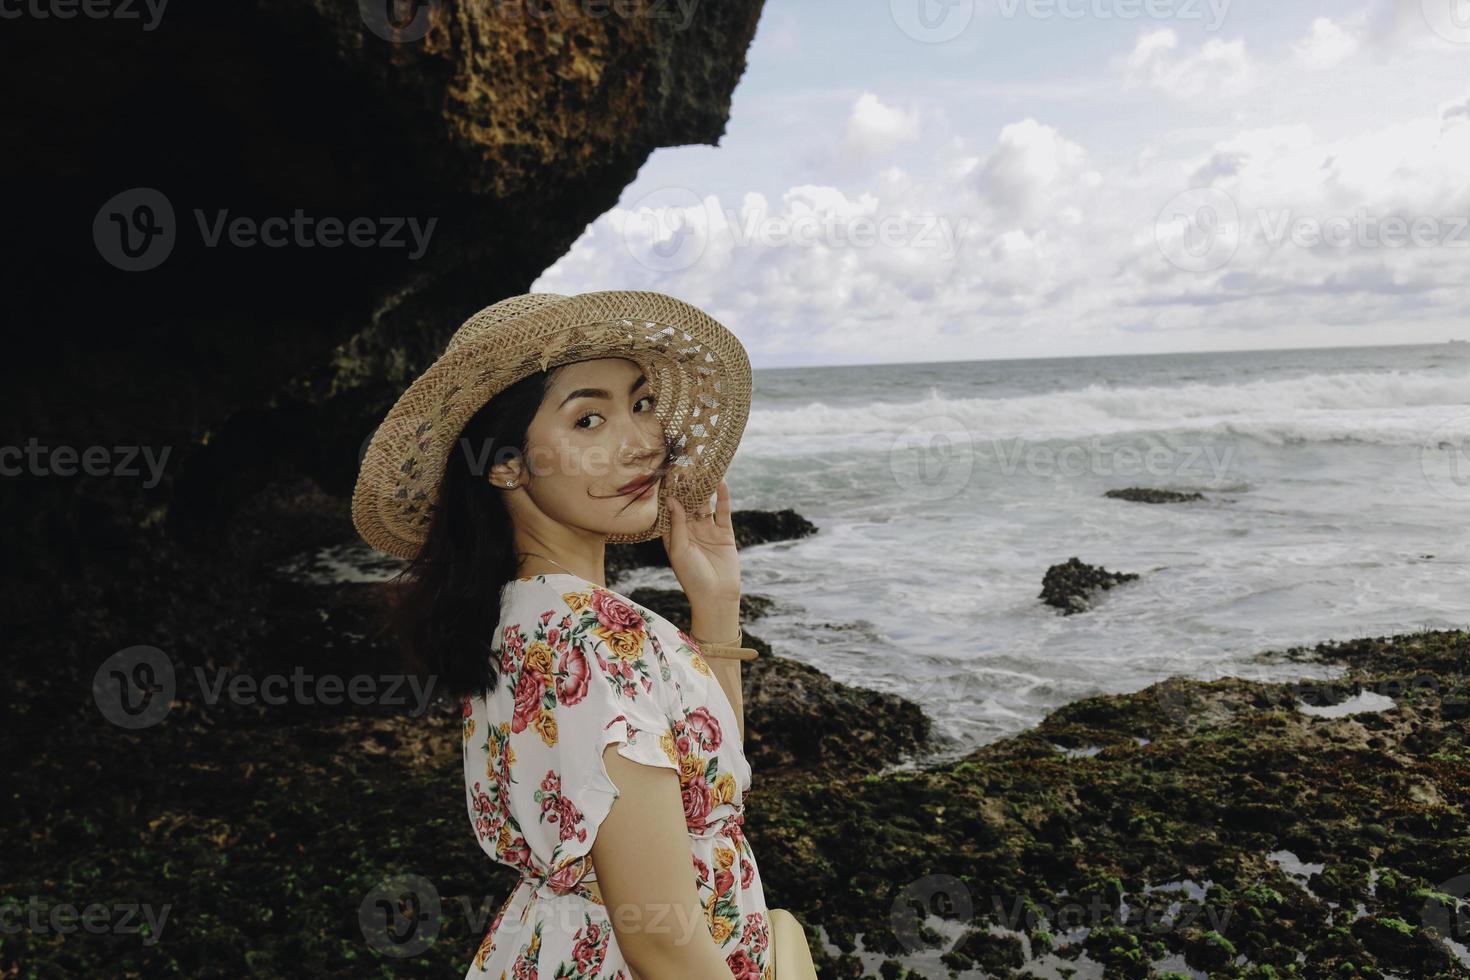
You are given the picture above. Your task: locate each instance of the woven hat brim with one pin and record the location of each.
(697, 369)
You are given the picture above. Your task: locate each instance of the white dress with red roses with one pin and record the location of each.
(580, 667)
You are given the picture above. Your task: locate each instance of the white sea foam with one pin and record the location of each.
(1386, 408)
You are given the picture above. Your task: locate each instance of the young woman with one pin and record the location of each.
(602, 744)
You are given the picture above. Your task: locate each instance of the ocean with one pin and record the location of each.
(1337, 505)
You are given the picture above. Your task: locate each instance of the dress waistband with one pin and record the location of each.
(584, 886)
(588, 888)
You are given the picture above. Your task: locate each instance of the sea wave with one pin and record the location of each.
(1387, 408)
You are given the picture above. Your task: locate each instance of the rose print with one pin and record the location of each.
(527, 701)
(580, 662)
(696, 802)
(524, 967)
(480, 804)
(614, 614)
(724, 877)
(574, 675)
(512, 648)
(757, 932)
(486, 945)
(539, 658)
(517, 853)
(568, 876)
(558, 809)
(619, 625)
(546, 727)
(742, 966)
(590, 947)
(687, 644)
(705, 728)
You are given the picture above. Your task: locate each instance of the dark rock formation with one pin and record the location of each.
(1148, 495)
(507, 129)
(1198, 807)
(801, 723)
(1068, 585)
(752, 527)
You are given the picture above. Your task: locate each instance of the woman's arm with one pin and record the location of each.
(717, 621)
(727, 671)
(643, 862)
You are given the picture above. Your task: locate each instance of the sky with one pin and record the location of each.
(939, 180)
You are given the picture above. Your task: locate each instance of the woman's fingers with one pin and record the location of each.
(678, 536)
(722, 504)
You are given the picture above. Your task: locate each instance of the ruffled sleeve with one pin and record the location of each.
(579, 672)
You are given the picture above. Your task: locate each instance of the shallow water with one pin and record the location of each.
(1337, 487)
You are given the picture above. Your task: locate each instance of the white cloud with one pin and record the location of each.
(1032, 166)
(874, 129)
(1456, 113)
(1216, 68)
(1328, 46)
(1055, 220)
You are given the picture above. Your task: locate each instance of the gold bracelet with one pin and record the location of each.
(731, 650)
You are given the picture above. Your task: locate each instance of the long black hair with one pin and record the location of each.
(446, 604)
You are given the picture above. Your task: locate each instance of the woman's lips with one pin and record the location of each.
(644, 490)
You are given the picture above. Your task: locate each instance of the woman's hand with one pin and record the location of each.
(702, 552)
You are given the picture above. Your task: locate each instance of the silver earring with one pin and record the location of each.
(509, 483)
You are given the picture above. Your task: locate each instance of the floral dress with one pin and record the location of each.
(581, 667)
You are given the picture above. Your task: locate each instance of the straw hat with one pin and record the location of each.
(696, 368)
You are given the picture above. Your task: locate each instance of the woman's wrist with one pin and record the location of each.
(715, 623)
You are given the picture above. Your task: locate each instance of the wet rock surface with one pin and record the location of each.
(1150, 495)
(1071, 585)
(1314, 846)
(1234, 814)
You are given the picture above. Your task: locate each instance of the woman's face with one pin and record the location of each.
(595, 433)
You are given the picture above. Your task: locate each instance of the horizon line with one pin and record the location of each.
(1078, 357)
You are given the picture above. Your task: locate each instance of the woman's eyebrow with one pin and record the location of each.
(600, 393)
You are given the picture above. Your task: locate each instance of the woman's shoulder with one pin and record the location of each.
(571, 593)
(584, 611)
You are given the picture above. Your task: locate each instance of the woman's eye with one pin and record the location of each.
(648, 398)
